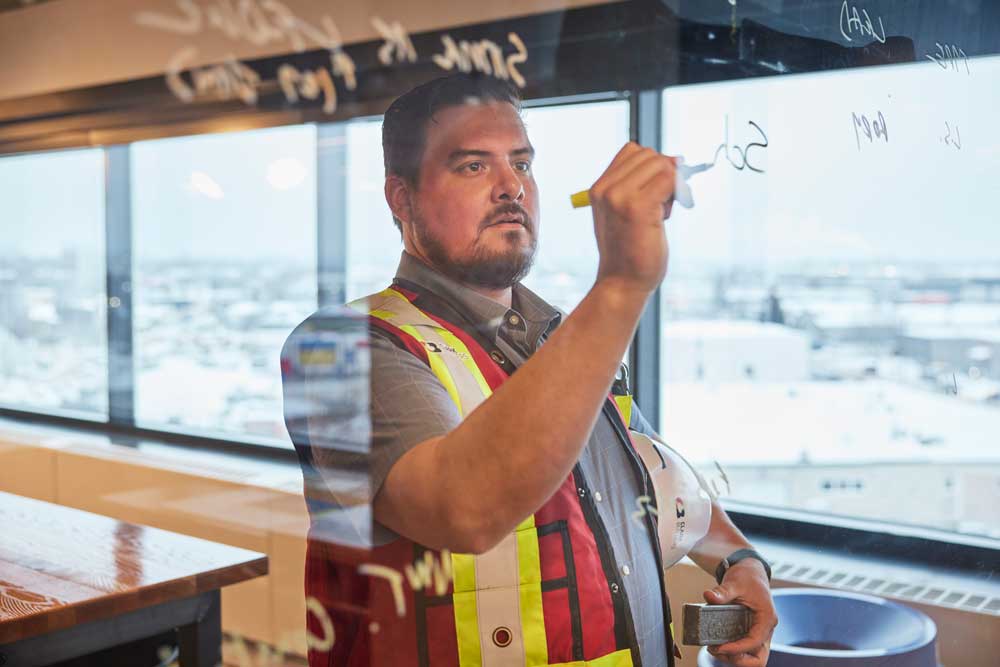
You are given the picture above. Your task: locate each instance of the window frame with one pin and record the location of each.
(848, 535)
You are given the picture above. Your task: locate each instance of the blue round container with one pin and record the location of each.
(824, 628)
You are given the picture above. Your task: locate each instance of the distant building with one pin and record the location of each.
(848, 320)
(953, 496)
(10, 352)
(734, 351)
(869, 448)
(961, 348)
(772, 308)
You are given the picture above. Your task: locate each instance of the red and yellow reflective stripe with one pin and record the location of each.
(466, 617)
(439, 367)
(536, 648)
(467, 359)
(467, 630)
(437, 364)
(625, 406)
(622, 658)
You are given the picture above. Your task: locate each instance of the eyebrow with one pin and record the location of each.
(461, 153)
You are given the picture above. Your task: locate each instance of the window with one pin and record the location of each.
(53, 318)
(373, 243)
(224, 268)
(829, 331)
(566, 264)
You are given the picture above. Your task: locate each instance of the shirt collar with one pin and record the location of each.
(484, 313)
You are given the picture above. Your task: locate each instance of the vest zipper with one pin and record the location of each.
(642, 476)
(624, 628)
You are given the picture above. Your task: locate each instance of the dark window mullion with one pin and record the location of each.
(644, 354)
(118, 249)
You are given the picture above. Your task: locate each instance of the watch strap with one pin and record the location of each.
(736, 557)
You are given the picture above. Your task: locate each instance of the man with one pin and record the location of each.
(523, 482)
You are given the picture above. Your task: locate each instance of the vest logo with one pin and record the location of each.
(679, 507)
(438, 348)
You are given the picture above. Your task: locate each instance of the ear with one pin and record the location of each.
(398, 196)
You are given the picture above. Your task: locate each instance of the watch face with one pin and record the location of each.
(721, 570)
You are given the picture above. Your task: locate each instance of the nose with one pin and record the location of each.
(508, 186)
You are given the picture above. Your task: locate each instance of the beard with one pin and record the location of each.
(484, 268)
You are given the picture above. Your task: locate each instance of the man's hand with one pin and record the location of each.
(746, 583)
(629, 202)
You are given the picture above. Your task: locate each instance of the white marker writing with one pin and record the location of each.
(227, 80)
(395, 580)
(955, 141)
(851, 21)
(516, 59)
(645, 505)
(427, 571)
(725, 479)
(259, 22)
(744, 161)
(275, 657)
(315, 607)
(949, 54)
(483, 56)
(310, 84)
(873, 129)
(423, 574)
(397, 45)
(175, 66)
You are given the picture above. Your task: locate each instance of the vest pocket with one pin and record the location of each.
(560, 594)
(536, 618)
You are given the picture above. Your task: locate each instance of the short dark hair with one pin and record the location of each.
(404, 127)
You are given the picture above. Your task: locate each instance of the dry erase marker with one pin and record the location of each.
(682, 194)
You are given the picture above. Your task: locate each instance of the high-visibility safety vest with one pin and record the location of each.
(549, 594)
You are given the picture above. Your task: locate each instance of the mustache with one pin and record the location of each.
(511, 208)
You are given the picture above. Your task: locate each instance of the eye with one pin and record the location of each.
(522, 165)
(473, 167)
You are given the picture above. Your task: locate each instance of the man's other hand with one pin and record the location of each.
(746, 583)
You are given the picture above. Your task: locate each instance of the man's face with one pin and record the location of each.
(475, 208)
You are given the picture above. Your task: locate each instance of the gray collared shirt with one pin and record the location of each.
(409, 405)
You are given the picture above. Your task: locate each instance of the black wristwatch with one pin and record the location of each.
(736, 557)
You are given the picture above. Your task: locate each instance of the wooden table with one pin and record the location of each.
(72, 583)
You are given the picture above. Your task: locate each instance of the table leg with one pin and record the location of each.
(201, 641)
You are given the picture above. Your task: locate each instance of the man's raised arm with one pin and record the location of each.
(467, 489)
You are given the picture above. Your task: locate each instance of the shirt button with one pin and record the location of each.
(597, 496)
(496, 356)
(625, 570)
(614, 588)
(582, 491)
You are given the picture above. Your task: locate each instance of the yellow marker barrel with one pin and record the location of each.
(580, 199)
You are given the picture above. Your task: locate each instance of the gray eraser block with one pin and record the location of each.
(714, 624)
